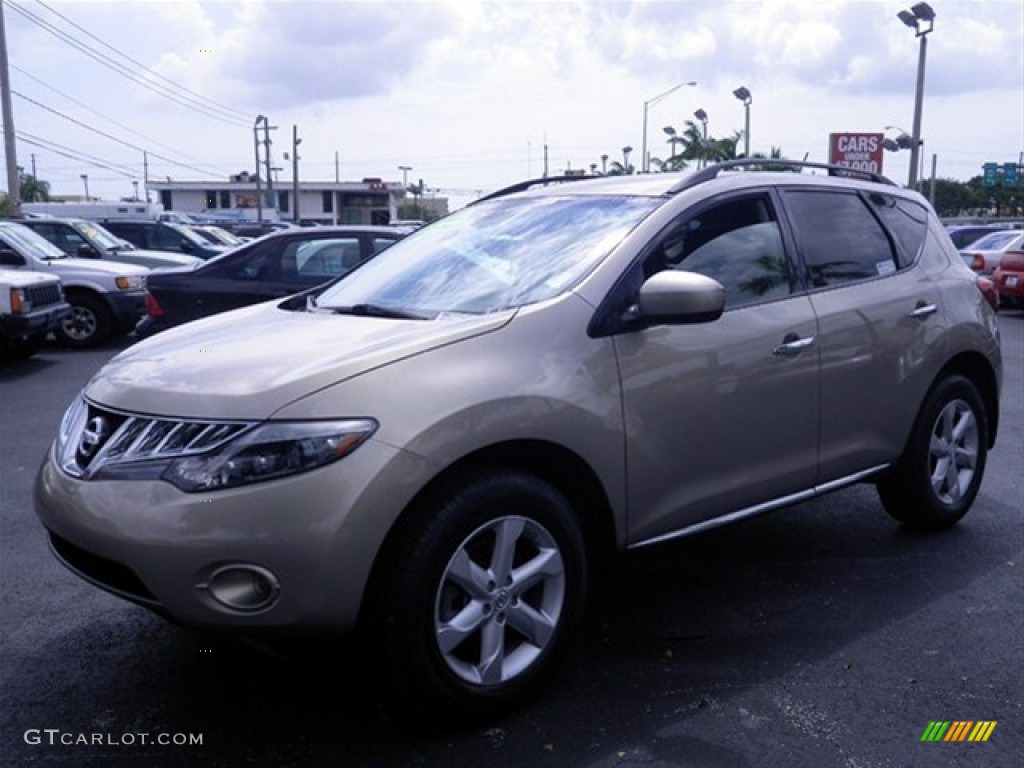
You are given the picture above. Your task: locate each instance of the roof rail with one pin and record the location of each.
(712, 171)
(524, 185)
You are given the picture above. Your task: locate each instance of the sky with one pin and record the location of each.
(467, 95)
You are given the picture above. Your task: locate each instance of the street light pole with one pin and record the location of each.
(85, 181)
(644, 160)
(915, 18)
(701, 115)
(405, 175)
(743, 95)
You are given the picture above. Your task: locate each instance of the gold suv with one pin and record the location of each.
(442, 447)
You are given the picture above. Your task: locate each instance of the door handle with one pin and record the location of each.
(923, 310)
(792, 345)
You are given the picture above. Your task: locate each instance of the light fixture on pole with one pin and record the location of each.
(743, 95)
(85, 181)
(916, 18)
(701, 115)
(644, 160)
(405, 174)
(673, 138)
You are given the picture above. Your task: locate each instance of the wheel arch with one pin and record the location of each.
(979, 372)
(560, 467)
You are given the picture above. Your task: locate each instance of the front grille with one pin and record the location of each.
(41, 295)
(100, 436)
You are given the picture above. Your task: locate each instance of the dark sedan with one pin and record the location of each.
(272, 267)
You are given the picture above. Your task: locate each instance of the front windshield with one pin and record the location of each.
(222, 235)
(994, 242)
(98, 236)
(188, 233)
(495, 255)
(30, 242)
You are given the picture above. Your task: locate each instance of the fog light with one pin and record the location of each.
(242, 587)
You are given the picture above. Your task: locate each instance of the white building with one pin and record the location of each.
(370, 201)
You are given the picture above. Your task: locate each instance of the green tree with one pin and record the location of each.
(34, 190)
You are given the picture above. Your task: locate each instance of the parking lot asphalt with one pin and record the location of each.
(821, 635)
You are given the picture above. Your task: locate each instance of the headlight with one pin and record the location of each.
(270, 451)
(19, 302)
(132, 283)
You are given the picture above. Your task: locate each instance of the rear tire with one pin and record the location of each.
(480, 592)
(936, 480)
(88, 325)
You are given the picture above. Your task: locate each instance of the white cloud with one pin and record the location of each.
(468, 93)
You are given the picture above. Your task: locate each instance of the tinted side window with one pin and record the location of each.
(839, 238)
(738, 243)
(908, 223)
(165, 237)
(378, 244)
(320, 260)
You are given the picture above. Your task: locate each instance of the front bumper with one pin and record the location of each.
(41, 320)
(317, 533)
(126, 308)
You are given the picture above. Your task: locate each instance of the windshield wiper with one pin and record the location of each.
(375, 310)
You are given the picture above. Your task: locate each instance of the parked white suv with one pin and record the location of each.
(106, 297)
(31, 305)
(443, 447)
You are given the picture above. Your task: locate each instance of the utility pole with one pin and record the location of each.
(337, 169)
(145, 173)
(267, 128)
(13, 182)
(295, 172)
(259, 184)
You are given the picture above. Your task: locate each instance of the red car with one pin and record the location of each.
(1009, 278)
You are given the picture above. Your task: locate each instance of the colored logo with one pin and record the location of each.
(958, 730)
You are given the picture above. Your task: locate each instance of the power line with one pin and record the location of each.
(86, 107)
(108, 136)
(198, 96)
(59, 149)
(127, 73)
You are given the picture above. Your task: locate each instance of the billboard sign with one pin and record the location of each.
(861, 151)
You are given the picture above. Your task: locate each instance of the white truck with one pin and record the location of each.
(95, 211)
(31, 305)
(106, 297)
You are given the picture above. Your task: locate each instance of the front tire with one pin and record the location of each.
(88, 325)
(937, 479)
(483, 587)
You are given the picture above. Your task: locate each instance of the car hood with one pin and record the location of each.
(95, 265)
(165, 258)
(251, 362)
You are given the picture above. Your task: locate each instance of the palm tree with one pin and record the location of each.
(34, 190)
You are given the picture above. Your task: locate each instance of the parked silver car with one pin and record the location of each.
(444, 447)
(985, 253)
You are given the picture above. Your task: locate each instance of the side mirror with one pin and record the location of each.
(186, 247)
(11, 258)
(672, 297)
(86, 251)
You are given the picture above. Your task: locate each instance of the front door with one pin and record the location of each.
(722, 416)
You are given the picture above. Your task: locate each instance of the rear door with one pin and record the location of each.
(722, 416)
(877, 312)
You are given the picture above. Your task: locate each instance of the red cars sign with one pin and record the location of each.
(862, 151)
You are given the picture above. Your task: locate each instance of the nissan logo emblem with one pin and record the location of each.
(93, 436)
